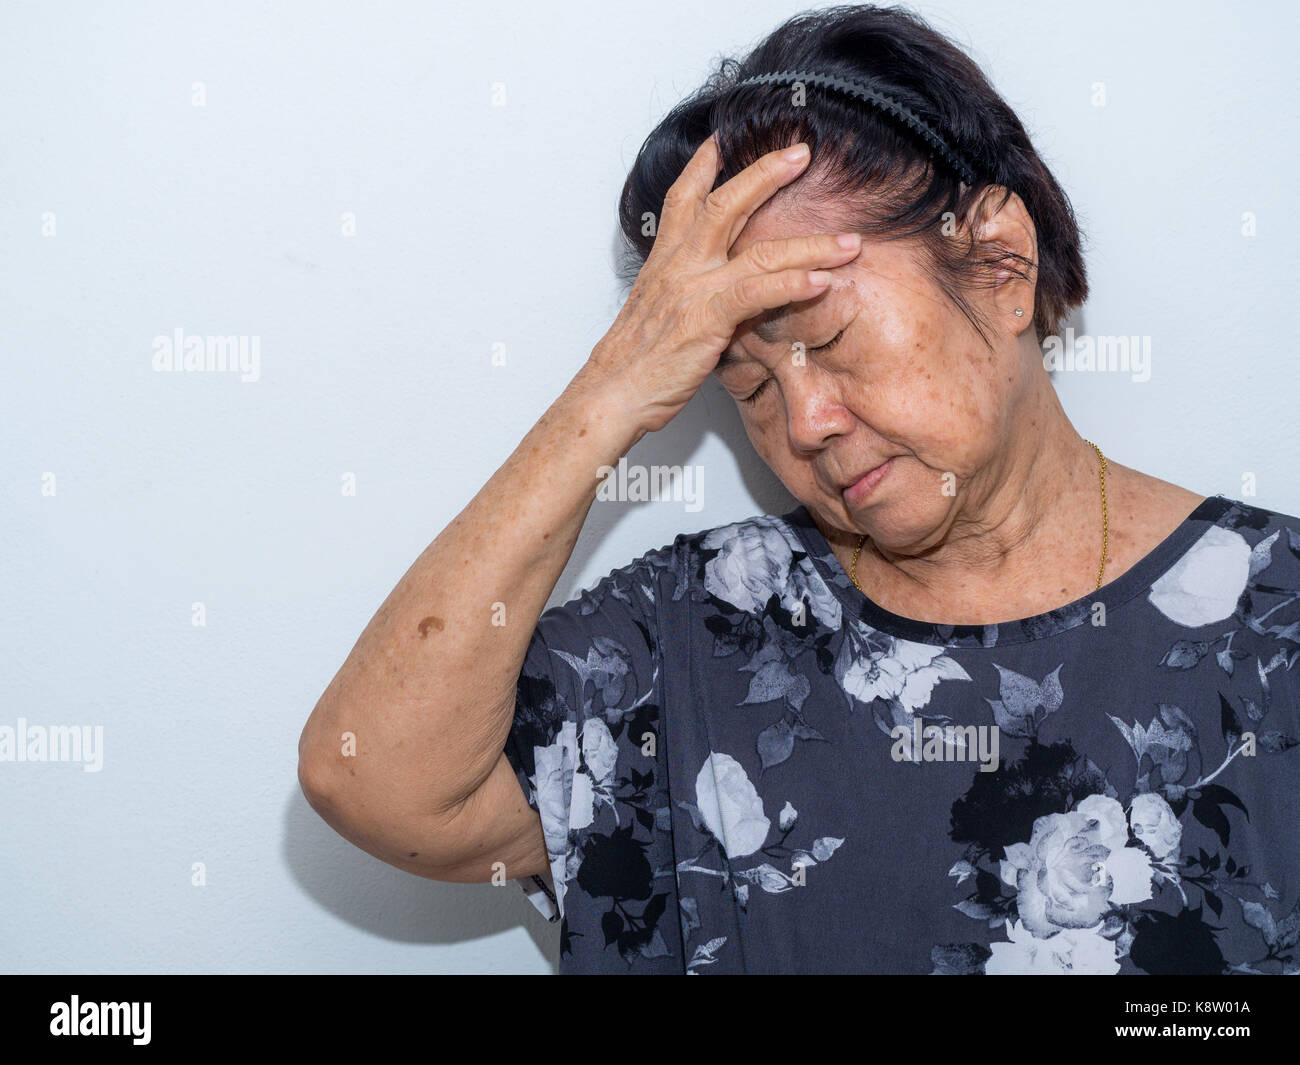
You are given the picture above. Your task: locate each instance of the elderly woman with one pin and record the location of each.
(984, 702)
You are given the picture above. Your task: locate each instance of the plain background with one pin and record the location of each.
(477, 226)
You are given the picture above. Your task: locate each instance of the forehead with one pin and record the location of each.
(788, 214)
(871, 279)
(791, 212)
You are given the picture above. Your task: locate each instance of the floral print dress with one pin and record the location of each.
(743, 765)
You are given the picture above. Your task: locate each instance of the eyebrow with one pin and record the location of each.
(766, 329)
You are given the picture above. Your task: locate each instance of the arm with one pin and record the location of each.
(429, 689)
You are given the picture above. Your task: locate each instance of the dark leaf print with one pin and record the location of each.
(1275, 742)
(615, 866)
(774, 680)
(1175, 718)
(1228, 722)
(1209, 813)
(981, 911)
(654, 909)
(959, 959)
(1024, 702)
(775, 743)
(690, 910)
(641, 722)
(1000, 807)
(825, 657)
(987, 886)
(1069, 616)
(1221, 795)
(1090, 780)
(1185, 654)
(1179, 944)
(612, 925)
(1244, 516)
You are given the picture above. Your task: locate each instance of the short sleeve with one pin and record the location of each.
(587, 748)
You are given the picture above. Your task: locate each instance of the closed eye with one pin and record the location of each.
(830, 343)
(753, 396)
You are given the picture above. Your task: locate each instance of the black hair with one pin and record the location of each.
(879, 167)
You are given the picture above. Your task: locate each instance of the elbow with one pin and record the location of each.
(370, 821)
(319, 764)
(317, 783)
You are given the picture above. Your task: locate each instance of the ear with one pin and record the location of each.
(1003, 229)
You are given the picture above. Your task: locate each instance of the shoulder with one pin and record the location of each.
(1243, 563)
(1258, 526)
(1154, 508)
(1266, 542)
(1240, 514)
(741, 562)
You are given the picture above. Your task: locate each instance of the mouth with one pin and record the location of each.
(856, 491)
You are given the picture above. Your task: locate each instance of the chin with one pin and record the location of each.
(899, 516)
(902, 528)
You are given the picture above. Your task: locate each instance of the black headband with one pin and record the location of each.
(868, 93)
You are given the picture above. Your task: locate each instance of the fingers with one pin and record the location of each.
(808, 252)
(789, 270)
(724, 211)
(682, 201)
(754, 293)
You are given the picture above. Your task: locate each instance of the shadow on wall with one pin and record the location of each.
(393, 904)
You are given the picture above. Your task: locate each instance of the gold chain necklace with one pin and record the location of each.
(1105, 528)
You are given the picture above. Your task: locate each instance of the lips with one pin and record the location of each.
(846, 485)
(856, 490)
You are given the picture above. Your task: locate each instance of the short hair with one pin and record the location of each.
(880, 170)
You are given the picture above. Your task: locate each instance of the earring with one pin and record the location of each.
(1019, 313)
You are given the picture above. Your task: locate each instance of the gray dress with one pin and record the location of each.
(743, 765)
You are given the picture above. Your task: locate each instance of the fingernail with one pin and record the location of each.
(819, 277)
(848, 240)
(796, 154)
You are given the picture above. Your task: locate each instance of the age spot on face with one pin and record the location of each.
(431, 622)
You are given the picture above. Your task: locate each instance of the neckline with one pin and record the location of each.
(1136, 579)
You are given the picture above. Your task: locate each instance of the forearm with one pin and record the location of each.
(428, 691)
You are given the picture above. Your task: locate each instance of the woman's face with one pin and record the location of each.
(906, 381)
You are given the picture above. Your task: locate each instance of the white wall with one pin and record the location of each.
(475, 225)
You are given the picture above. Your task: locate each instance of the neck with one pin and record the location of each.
(1023, 536)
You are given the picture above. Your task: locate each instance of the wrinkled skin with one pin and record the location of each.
(991, 508)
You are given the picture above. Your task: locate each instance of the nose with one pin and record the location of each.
(814, 413)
